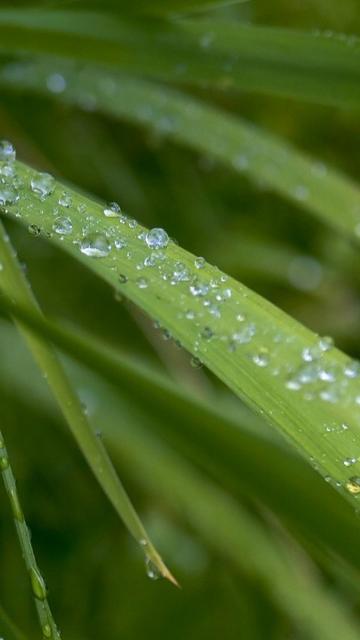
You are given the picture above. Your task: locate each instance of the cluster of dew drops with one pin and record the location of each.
(209, 309)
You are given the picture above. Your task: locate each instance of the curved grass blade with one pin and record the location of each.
(14, 284)
(299, 382)
(47, 623)
(239, 145)
(226, 55)
(224, 446)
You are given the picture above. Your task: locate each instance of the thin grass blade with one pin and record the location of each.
(14, 284)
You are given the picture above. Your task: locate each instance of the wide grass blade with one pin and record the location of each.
(236, 143)
(226, 447)
(224, 55)
(14, 284)
(299, 382)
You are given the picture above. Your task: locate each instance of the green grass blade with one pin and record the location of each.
(248, 546)
(14, 284)
(223, 55)
(233, 533)
(47, 623)
(239, 145)
(296, 380)
(233, 453)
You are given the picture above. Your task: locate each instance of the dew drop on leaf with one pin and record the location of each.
(348, 462)
(37, 584)
(95, 245)
(4, 463)
(152, 571)
(43, 184)
(46, 631)
(62, 226)
(7, 151)
(157, 239)
(142, 283)
(8, 195)
(200, 262)
(112, 210)
(353, 485)
(65, 200)
(196, 363)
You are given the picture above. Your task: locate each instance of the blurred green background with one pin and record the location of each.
(98, 584)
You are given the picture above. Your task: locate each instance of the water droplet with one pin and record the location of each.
(7, 151)
(120, 243)
(196, 363)
(214, 310)
(245, 335)
(8, 195)
(348, 462)
(207, 39)
(34, 229)
(180, 273)
(151, 569)
(15, 506)
(56, 83)
(326, 343)
(7, 170)
(319, 169)
(240, 162)
(352, 369)
(123, 278)
(157, 239)
(261, 359)
(207, 333)
(4, 463)
(199, 289)
(62, 226)
(353, 485)
(200, 262)
(43, 184)
(142, 283)
(65, 200)
(112, 210)
(95, 245)
(166, 335)
(37, 584)
(301, 192)
(46, 630)
(305, 273)
(315, 351)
